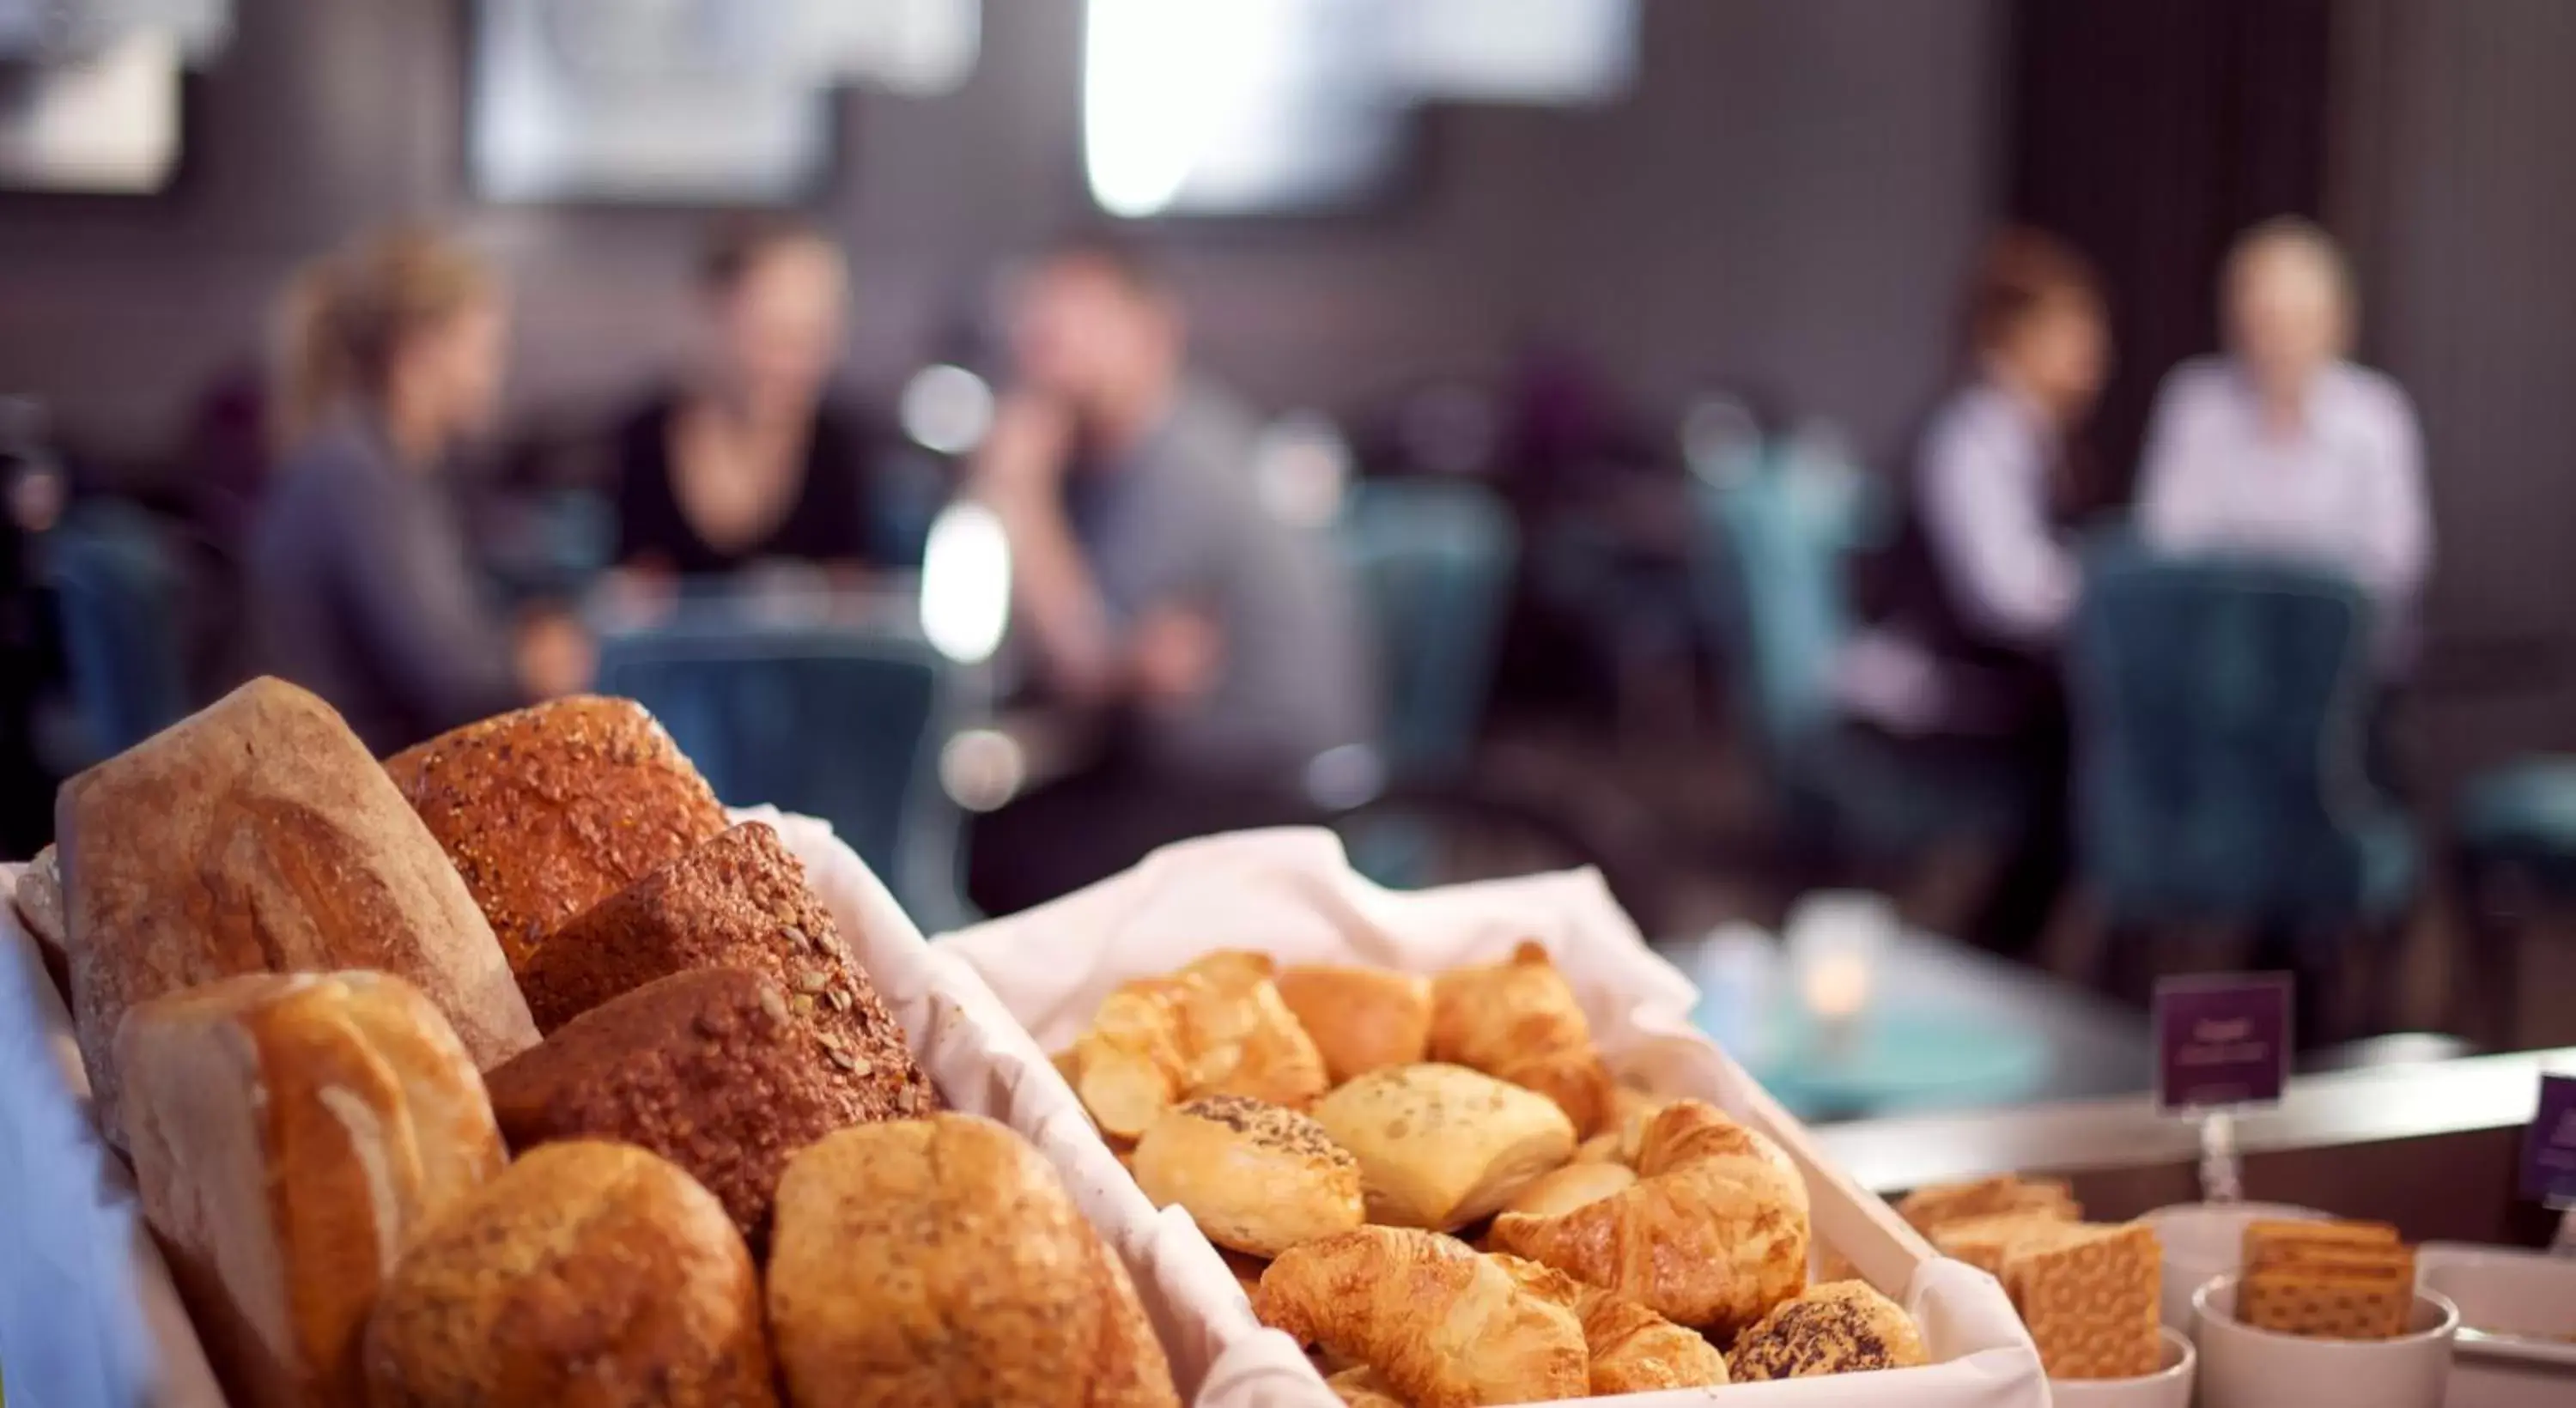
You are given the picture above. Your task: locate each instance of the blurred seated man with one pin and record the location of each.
(2285, 447)
(361, 585)
(1152, 588)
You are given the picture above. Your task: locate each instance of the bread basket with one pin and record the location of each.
(1293, 894)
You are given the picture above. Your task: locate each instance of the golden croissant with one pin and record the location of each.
(1216, 1027)
(1518, 1021)
(1444, 1326)
(1633, 1350)
(1712, 1235)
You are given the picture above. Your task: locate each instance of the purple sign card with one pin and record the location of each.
(2549, 1148)
(2222, 1040)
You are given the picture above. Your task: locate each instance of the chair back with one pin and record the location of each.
(117, 591)
(1773, 541)
(1434, 561)
(2220, 708)
(831, 722)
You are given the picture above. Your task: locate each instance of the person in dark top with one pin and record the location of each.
(361, 586)
(749, 459)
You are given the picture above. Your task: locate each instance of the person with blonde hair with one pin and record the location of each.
(2284, 446)
(362, 587)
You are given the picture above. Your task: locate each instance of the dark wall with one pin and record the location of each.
(1786, 199)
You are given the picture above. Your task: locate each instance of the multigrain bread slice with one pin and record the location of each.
(548, 810)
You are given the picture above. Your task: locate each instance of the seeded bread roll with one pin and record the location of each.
(586, 1274)
(1256, 1178)
(708, 1069)
(737, 901)
(1840, 1327)
(548, 810)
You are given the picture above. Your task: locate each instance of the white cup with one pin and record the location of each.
(2204, 1240)
(2243, 1367)
(2168, 1387)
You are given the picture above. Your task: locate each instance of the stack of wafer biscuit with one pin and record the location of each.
(2004, 1195)
(2088, 1291)
(2327, 1280)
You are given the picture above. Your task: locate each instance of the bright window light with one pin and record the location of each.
(966, 583)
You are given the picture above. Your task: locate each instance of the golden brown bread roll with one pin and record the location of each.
(1441, 1324)
(1632, 1349)
(1713, 1234)
(1361, 1019)
(1216, 1027)
(548, 810)
(1518, 1021)
(1442, 1146)
(257, 835)
(292, 1134)
(1840, 1327)
(935, 1262)
(1363, 1387)
(708, 1069)
(1565, 1189)
(1256, 1178)
(737, 901)
(586, 1273)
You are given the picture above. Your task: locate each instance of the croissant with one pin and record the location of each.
(1443, 1326)
(1518, 1021)
(1633, 1350)
(1362, 1387)
(1216, 1027)
(1712, 1235)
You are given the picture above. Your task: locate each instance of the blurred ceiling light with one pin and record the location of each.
(106, 123)
(914, 47)
(981, 769)
(1514, 51)
(946, 409)
(966, 583)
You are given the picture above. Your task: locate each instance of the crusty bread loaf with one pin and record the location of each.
(258, 835)
(292, 1134)
(1256, 1178)
(549, 810)
(927, 1263)
(1442, 1146)
(738, 900)
(587, 1274)
(708, 1069)
(1361, 1019)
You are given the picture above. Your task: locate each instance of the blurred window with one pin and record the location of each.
(89, 90)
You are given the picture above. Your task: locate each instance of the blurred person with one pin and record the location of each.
(2283, 446)
(1151, 586)
(1976, 594)
(749, 459)
(361, 585)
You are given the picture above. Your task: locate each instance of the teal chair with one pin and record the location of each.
(117, 591)
(2514, 853)
(838, 724)
(2220, 712)
(1434, 561)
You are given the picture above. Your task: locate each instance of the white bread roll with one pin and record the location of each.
(1441, 1146)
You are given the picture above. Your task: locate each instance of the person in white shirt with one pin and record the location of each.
(2283, 447)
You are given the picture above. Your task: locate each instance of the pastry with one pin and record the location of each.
(737, 901)
(586, 1273)
(1216, 1027)
(1442, 1146)
(256, 836)
(1712, 1235)
(1363, 1387)
(709, 1069)
(548, 810)
(2090, 1297)
(1565, 1189)
(292, 1134)
(1631, 1349)
(1443, 1326)
(1256, 1178)
(1361, 1019)
(1518, 1021)
(1840, 1327)
(938, 1262)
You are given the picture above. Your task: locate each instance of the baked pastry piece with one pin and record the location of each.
(1442, 1146)
(2090, 1297)
(1565, 1189)
(1362, 1019)
(292, 1134)
(548, 810)
(1363, 1387)
(1216, 1027)
(1713, 1234)
(1631, 1348)
(257, 835)
(737, 901)
(939, 1262)
(1256, 1178)
(1442, 1325)
(586, 1273)
(1840, 1327)
(1518, 1021)
(709, 1069)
